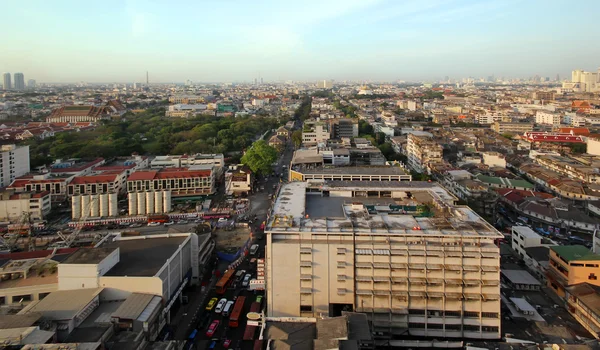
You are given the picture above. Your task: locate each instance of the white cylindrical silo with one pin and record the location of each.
(141, 199)
(133, 204)
(76, 208)
(113, 205)
(167, 202)
(158, 202)
(104, 204)
(150, 202)
(85, 206)
(95, 206)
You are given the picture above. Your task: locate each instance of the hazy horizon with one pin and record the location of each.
(237, 41)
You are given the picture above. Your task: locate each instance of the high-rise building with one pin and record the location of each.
(7, 81)
(19, 81)
(14, 163)
(325, 84)
(582, 81)
(403, 253)
(31, 83)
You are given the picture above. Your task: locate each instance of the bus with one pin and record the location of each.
(250, 330)
(258, 344)
(158, 218)
(224, 282)
(236, 314)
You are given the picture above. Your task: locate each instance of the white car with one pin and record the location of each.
(246, 280)
(182, 222)
(169, 223)
(153, 224)
(222, 219)
(220, 305)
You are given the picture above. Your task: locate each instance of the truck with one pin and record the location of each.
(158, 218)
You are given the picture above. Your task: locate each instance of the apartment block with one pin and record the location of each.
(14, 162)
(315, 133)
(572, 264)
(514, 128)
(569, 167)
(13, 205)
(422, 150)
(401, 252)
(583, 302)
(181, 182)
(547, 118)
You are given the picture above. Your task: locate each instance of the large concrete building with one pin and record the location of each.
(401, 252)
(422, 150)
(19, 81)
(13, 205)
(14, 162)
(7, 81)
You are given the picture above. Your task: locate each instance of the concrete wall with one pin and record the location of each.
(148, 285)
(77, 276)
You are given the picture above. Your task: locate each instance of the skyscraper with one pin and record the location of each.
(7, 81)
(19, 81)
(31, 83)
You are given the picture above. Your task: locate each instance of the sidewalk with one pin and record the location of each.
(186, 317)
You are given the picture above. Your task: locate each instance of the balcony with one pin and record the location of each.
(305, 264)
(305, 250)
(305, 277)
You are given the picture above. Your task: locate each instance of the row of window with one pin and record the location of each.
(453, 327)
(446, 313)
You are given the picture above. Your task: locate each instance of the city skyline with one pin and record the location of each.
(374, 40)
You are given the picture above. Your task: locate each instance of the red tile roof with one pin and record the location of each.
(88, 111)
(171, 173)
(94, 179)
(575, 131)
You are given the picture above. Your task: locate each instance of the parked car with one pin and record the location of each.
(227, 308)
(169, 223)
(226, 343)
(212, 328)
(182, 222)
(246, 281)
(211, 304)
(220, 305)
(136, 225)
(154, 224)
(222, 220)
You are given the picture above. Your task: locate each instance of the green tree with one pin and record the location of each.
(297, 138)
(260, 157)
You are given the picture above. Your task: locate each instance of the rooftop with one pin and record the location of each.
(356, 170)
(525, 232)
(63, 304)
(574, 253)
(356, 207)
(88, 256)
(143, 256)
(134, 305)
(520, 277)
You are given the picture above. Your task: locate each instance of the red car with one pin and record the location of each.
(226, 343)
(212, 328)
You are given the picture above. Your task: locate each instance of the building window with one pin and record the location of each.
(577, 264)
(305, 308)
(471, 328)
(452, 314)
(591, 265)
(489, 315)
(471, 314)
(489, 329)
(435, 326)
(416, 325)
(592, 276)
(416, 312)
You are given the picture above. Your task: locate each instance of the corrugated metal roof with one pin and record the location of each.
(63, 304)
(133, 306)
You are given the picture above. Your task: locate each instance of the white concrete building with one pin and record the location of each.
(14, 162)
(547, 118)
(373, 247)
(13, 205)
(593, 146)
(421, 150)
(524, 237)
(184, 161)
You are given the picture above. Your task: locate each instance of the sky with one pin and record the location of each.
(307, 40)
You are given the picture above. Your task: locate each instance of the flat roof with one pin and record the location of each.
(356, 170)
(143, 256)
(63, 304)
(522, 304)
(520, 277)
(297, 209)
(526, 232)
(19, 321)
(574, 252)
(134, 305)
(291, 330)
(89, 255)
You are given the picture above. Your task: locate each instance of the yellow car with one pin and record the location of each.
(211, 304)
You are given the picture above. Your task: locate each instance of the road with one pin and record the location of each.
(260, 203)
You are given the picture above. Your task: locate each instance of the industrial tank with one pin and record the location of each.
(104, 204)
(113, 205)
(167, 202)
(141, 199)
(133, 204)
(158, 202)
(85, 206)
(150, 202)
(95, 206)
(76, 208)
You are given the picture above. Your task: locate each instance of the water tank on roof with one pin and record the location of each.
(141, 199)
(113, 208)
(104, 204)
(95, 206)
(167, 202)
(158, 202)
(133, 204)
(150, 202)
(76, 208)
(85, 206)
